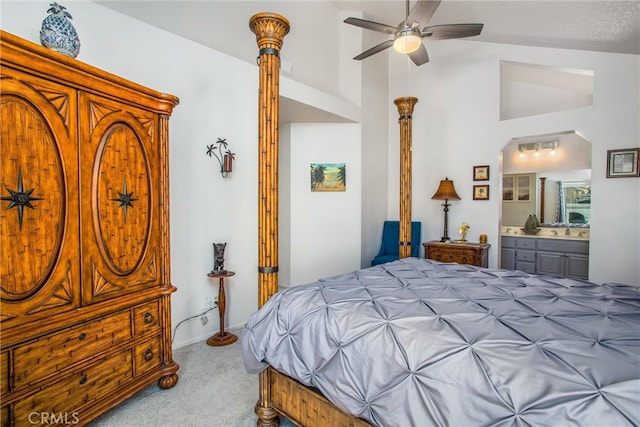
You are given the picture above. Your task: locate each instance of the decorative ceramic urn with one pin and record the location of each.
(57, 33)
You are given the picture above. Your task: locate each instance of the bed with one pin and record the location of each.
(416, 342)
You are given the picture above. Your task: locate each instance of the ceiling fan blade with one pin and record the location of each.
(370, 25)
(451, 31)
(423, 11)
(377, 48)
(420, 56)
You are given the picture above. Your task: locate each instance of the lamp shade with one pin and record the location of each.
(446, 191)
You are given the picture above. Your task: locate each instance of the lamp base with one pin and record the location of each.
(445, 240)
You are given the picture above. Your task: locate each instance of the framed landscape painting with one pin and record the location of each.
(328, 177)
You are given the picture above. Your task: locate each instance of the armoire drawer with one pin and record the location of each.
(146, 318)
(47, 355)
(67, 397)
(146, 356)
(4, 372)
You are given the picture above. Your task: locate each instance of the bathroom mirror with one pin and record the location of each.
(548, 175)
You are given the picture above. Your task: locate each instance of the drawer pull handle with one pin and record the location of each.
(148, 318)
(82, 336)
(148, 355)
(83, 379)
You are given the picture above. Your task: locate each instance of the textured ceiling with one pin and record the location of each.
(596, 25)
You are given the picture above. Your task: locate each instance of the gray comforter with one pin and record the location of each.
(421, 343)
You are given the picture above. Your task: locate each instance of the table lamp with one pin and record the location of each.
(446, 192)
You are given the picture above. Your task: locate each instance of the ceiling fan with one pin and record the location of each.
(409, 33)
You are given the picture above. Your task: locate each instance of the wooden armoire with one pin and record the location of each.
(85, 315)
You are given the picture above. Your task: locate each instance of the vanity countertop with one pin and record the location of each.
(556, 232)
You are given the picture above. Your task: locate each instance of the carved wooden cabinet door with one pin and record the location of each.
(39, 227)
(120, 171)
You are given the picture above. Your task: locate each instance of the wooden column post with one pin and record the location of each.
(405, 109)
(270, 29)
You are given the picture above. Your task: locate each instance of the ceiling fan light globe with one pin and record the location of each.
(407, 43)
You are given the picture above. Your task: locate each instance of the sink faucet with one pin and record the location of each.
(567, 232)
(555, 233)
(580, 234)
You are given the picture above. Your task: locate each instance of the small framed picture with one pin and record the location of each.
(623, 163)
(480, 192)
(481, 173)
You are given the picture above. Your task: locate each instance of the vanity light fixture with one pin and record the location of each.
(537, 146)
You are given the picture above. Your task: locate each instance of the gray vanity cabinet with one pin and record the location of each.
(518, 254)
(569, 258)
(526, 255)
(508, 253)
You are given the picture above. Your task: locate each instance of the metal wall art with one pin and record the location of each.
(225, 159)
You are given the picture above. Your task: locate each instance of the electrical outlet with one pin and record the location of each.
(209, 302)
(204, 319)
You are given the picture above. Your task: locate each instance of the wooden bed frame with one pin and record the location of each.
(280, 394)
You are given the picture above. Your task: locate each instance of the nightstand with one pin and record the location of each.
(463, 253)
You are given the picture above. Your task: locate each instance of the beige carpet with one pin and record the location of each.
(214, 390)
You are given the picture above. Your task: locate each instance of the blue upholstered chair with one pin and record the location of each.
(390, 247)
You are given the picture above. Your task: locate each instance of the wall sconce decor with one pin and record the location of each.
(446, 192)
(224, 158)
(537, 146)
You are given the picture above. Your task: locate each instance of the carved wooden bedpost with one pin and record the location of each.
(270, 29)
(405, 109)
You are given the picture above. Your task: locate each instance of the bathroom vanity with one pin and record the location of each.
(560, 251)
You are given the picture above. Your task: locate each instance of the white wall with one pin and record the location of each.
(375, 143)
(456, 126)
(325, 226)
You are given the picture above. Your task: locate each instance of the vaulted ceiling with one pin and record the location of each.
(594, 25)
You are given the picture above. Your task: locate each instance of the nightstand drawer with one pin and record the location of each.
(462, 253)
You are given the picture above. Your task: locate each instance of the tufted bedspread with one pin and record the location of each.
(416, 342)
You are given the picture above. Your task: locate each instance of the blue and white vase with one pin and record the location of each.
(57, 33)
